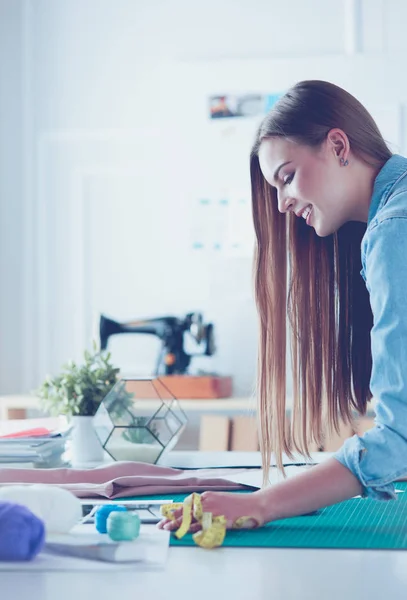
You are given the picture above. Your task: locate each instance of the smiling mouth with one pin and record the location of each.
(306, 212)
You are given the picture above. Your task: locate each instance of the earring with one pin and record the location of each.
(344, 162)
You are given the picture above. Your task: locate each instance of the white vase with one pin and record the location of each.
(86, 450)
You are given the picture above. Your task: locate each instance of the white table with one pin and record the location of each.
(230, 573)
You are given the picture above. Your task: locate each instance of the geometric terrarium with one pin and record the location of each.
(139, 419)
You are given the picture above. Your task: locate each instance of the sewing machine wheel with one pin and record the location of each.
(196, 326)
(210, 340)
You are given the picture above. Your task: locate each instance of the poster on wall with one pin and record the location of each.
(223, 223)
(221, 216)
(226, 106)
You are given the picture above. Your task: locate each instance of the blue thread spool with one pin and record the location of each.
(122, 526)
(103, 513)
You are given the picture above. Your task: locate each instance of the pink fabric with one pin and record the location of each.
(122, 479)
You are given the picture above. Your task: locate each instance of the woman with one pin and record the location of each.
(323, 178)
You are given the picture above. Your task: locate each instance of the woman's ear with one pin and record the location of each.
(338, 142)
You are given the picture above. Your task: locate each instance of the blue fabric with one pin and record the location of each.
(379, 457)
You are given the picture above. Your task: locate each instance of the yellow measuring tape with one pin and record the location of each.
(213, 529)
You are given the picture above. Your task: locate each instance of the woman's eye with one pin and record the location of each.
(288, 179)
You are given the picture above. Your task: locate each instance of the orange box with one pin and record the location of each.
(189, 387)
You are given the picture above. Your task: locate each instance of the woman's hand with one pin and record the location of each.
(231, 506)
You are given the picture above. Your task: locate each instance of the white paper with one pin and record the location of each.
(254, 477)
(224, 460)
(153, 542)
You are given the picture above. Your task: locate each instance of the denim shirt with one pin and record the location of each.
(379, 457)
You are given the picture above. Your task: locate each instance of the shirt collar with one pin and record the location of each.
(386, 178)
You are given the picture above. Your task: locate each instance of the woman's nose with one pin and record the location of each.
(285, 204)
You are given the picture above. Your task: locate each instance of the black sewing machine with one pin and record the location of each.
(173, 359)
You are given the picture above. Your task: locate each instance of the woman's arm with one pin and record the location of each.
(327, 483)
(379, 456)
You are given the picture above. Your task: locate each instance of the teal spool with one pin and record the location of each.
(122, 526)
(103, 513)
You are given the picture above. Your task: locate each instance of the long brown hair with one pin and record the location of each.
(311, 284)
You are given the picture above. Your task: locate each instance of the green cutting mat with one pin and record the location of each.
(356, 523)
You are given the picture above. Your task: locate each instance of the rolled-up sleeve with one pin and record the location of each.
(379, 457)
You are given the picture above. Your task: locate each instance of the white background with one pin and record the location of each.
(105, 148)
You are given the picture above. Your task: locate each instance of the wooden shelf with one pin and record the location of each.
(222, 405)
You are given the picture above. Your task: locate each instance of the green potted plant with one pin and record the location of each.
(77, 392)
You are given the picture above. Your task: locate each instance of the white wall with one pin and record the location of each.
(11, 195)
(105, 148)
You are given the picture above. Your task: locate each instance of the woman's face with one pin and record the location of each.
(311, 182)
